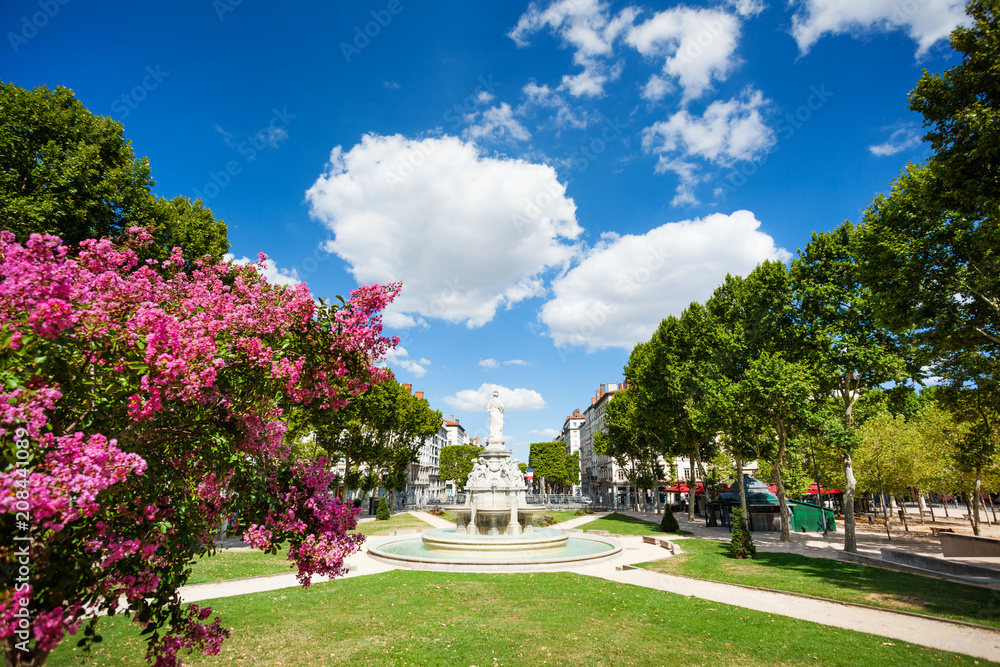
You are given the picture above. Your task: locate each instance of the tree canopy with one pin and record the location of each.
(456, 462)
(68, 172)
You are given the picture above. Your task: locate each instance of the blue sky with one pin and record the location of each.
(548, 180)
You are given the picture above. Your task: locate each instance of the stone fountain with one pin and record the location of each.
(493, 529)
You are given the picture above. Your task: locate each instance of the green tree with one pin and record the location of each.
(382, 511)
(741, 545)
(852, 355)
(382, 431)
(549, 462)
(456, 462)
(67, 172)
(929, 248)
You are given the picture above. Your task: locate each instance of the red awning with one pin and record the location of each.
(826, 490)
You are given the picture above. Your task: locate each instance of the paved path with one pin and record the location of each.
(942, 635)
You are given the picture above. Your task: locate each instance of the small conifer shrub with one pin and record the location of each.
(741, 545)
(382, 513)
(668, 524)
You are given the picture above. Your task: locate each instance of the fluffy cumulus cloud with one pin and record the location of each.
(697, 46)
(496, 123)
(902, 138)
(926, 22)
(546, 433)
(747, 7)
(590, 29)
(489, 363)
(398, 357)
(515, 400)
(272, 272)
(466, 233)
(617, 295)
(728, 131)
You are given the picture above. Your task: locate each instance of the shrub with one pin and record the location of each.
(741, 545)
(436, 511)
(668, 524)
(382, 513)
(544, 520)
(357, 502)
(583, 512)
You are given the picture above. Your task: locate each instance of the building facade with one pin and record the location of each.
(570, 436)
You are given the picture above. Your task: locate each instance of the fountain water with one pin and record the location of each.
(494, 529)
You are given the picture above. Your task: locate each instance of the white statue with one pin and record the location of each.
(495, 408)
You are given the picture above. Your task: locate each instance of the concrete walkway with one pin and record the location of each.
(980, 643)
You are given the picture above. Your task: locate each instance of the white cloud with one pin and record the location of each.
(516, 362)
(748, 7)
(271, 272)
(514, 400)
(698, 46)
(926, 22)
(546, 97)
(729, 131)
(587, 27)
(621, 290)
(495, 123)
(547, 433)
(902, 138)
(465, 233)
(398, 357)
(488, 363)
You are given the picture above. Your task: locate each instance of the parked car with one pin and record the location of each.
(433, 501)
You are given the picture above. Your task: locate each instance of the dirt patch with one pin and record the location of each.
(896, 601)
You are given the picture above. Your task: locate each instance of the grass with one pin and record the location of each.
(622, 524)
(836, 580)
(394, 523)
(236, 564)
(426, 618)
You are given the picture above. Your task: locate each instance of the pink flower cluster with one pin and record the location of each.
(144, 388)
(316, 523)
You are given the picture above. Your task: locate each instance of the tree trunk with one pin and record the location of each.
(13, 657)
(944, 503)
(743, 490)
(885, 512)
(902, 515)
(779, 485)
(696, 473)
(989, 499)
(930, 506)
(972, 519)
(977, 498)
(850, 531)
(691, 485)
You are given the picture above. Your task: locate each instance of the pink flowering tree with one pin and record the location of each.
(140, 406)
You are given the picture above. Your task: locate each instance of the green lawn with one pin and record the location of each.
(558, 515)
(394, 523)
(836, 580)
(424, 618)
(236, 564)
(622, 524)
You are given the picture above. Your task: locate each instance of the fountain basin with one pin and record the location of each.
(445, 550)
